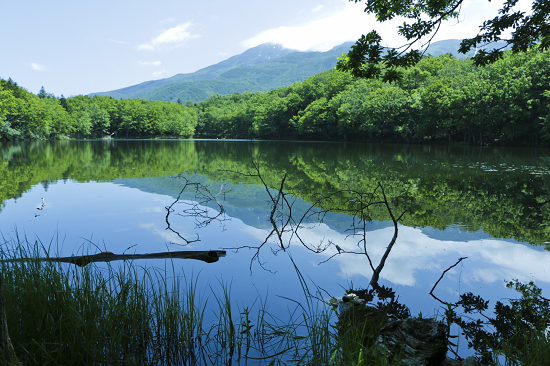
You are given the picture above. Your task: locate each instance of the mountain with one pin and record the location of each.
(262, 68)
(452, 45)
(251, 57)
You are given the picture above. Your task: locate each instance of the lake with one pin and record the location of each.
(490, 204)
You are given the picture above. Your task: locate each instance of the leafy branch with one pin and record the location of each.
(368, 59)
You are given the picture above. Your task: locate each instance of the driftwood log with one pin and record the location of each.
(208, 256)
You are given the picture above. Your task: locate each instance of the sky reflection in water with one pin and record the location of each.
(84, 218)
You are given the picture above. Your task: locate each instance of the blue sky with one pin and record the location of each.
(81, 47)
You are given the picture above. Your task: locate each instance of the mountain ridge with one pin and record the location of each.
(237, 74)
(258, 69)
(265, 52)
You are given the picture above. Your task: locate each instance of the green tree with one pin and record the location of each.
(369, 59)
(8, 105)
(63, 102)
(133, 116)
(349, 108)
(42, 93)
(180, 120)
(99, 118)
(317, 120)
(84, 125)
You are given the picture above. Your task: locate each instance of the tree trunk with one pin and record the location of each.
(7, 353)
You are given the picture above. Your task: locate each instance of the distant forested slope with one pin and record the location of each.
(440, 99)
(261, 68)
(252, 57)
(296, 66)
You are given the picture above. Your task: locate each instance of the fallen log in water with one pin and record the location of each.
(208, 256)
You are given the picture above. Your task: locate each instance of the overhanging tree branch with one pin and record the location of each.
(366, 59)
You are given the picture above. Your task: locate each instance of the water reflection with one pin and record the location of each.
(90, 217)
(502, 191)
(417, 261)
(486, 204)
(488, 260)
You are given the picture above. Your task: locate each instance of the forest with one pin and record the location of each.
(440, 99)
(24, 115)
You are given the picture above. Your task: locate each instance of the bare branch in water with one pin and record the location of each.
(198, 208)
(441, 277)
(286, 227)
(376, 274)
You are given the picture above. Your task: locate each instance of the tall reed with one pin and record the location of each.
(124, 314)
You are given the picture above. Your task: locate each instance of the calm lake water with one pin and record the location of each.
(491, 205)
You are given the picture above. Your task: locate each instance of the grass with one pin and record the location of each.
(535, 351)
(60, 314)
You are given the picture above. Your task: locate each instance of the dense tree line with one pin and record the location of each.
(24, 115)
(439, 99)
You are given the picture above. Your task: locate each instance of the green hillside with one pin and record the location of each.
(251, 57)
(286, 70)
(259, 69)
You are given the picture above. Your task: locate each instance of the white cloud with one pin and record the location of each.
(167, 236)
(38, 67)
(317, 8)
(351, 22)
(322, 34)
(147, 63)
(151, 209)
(158, 73)
(173, 36)
(414, 252)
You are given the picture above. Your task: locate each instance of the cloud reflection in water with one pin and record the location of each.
(488, 261)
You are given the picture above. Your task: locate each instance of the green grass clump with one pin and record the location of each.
(60, 314)
(534, 350)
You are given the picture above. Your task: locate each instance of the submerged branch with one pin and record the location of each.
(286, 224)
(274, 210)
(198, 209)
(376, 274)
(441, 277)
